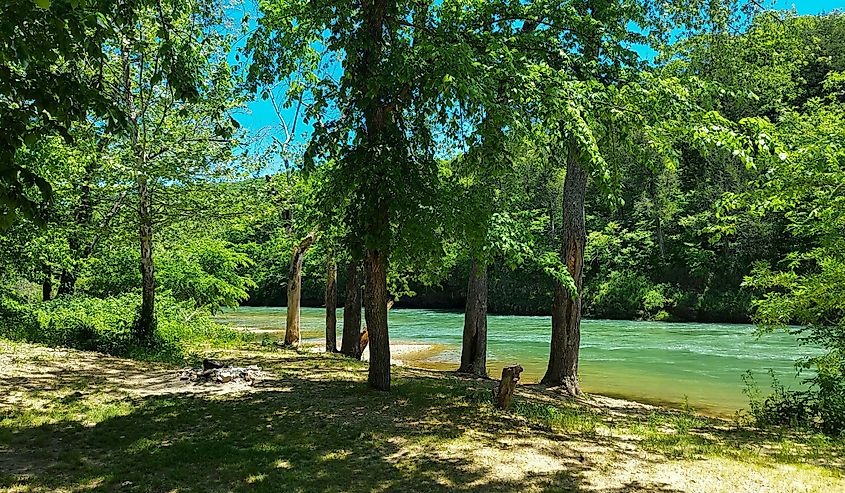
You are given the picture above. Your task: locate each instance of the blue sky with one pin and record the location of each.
(807, 6)
(261, 118)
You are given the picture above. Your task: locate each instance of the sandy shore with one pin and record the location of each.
(401, 353)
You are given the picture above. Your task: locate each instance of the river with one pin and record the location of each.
(655, 362)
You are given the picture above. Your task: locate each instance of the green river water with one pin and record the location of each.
(647, 361)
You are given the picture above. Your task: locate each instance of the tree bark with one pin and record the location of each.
(378, 115)
(47, 283)
(375, 310)
(295, 289)
(474, 349)
(566, 309)
(145, 327)
(82, 218)
(352, 311)
(331, 307)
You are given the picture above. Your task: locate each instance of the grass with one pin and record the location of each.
(73, 421)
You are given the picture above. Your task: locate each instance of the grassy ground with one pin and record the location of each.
(77, 421)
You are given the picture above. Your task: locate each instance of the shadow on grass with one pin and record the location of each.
(323, 435)
(313, 425)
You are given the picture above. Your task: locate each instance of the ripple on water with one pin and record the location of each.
(654, 361)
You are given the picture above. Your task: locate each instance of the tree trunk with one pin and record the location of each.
(378, 114)
(364, 338)
(660, 241)
(375, 310)
(566, 309)
(352, 311)
(146, 323)
(295, 290)
(67, 281)
(82, 220)
(331, 307)
(47, 283)
(474, 350)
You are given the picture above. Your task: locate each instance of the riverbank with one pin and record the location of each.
(74, 420)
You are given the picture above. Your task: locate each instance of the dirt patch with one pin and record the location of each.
(28, 369)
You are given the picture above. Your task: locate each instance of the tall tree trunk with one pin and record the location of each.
(47, 283)
(331, 307)
(474, 350)
(660, 241)
(352, 311)
(566, 309)
(295, 289)
(375, 310)
(146, 323)
(82, 220)
(378, 116)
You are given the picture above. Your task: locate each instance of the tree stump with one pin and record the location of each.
(363, 341)
(510, 377)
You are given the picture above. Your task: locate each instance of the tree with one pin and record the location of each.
(373, 124)
(493, 227)
(50, 78)
(331, 305)
(800, 160)
(83, 202)
(591, 66)
(167, 73)
(295, 288)
(351, 339)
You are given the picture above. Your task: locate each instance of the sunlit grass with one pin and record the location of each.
(317, 426)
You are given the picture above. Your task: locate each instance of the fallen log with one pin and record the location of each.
(504, 393)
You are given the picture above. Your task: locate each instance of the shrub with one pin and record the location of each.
(629, 295)
(104, 325)
(16, 320)
(821, 407)
(618, 296)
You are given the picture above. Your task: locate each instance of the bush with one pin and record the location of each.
(16, 319)
(819, 408)
(618, 296)
(105, 325)
(111, 274)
